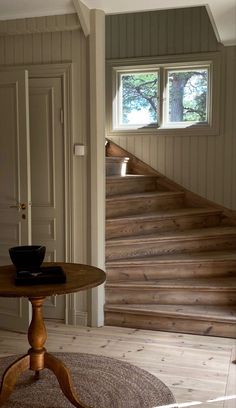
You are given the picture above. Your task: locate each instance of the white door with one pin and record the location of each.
(15, 224)
(48, 176)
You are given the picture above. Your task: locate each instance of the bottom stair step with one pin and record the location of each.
(203, 319)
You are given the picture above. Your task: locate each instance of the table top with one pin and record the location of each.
(78, 277)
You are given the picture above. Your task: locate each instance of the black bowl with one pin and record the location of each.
(27, 256)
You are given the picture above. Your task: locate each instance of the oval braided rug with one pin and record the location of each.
(101, 382)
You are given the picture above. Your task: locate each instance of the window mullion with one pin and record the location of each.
(162, 96)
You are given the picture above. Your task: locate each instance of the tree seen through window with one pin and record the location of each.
(139, 98)
(187, 95)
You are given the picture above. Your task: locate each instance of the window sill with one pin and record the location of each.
(193, 130)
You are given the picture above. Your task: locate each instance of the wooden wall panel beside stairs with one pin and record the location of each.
(170, 255)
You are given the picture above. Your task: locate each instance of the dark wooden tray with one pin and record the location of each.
(40, 276)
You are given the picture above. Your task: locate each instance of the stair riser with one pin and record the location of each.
(170, 271)
(170, 296)
(171, 324)
(128, 186)
(116, 208)
(165, 247)
(139, 227)
(116, 166)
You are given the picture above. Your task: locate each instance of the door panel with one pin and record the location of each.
(47, 176)
(15, 224)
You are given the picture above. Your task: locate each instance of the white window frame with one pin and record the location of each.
(117, 100)
(165, 123)
(163, 65)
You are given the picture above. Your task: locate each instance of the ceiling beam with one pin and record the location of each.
(84, 16)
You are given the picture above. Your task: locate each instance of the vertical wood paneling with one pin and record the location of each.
(46, 48)
(146, 35)
(2, 50)
(202, 155)
(130, 37)
(28, 48)
(19, 50)
(229, 153)
(196, 30)
(187, 31)
(204, 32)
(9, 50)
(210, 169)
(138, 35)
(204, 164)
(186, 160)
(161, 154)
(178, 158)
(233, 135)
(154, 33)
(171, 24)
(163, 37)
(122, 39)
(179, 34)
(66, 45)
(159, 33)
(107, 36)
(56, 47)
(114, 33)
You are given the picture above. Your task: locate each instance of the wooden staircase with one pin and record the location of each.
(170, 254)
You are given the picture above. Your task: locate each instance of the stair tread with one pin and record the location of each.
(116, 158)
(130, 177)
(207, 256)
(206, 312)
(173, 235)
(226, 283)
(166, 213)
(147, 194)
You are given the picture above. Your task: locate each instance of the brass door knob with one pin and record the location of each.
(20, 206)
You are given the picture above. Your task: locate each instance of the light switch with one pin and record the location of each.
(79, 149)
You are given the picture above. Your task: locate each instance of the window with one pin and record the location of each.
(187, 96)
(138, 98)
(164, 96)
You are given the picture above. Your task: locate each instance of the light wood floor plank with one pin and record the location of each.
(195, 368)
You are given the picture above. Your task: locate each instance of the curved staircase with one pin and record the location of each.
(170, 254)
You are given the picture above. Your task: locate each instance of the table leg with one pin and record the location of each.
(11, 375)
(37, 359)
(64, 379)
(40, 359)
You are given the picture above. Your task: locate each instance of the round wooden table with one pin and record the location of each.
(78, 277)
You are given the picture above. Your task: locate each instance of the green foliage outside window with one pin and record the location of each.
(188, 95)
(139, 95)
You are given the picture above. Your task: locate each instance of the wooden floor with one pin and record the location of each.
(196, 368)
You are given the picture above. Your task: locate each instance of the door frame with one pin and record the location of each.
(64, 71)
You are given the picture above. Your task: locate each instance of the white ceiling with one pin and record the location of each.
(221, 12)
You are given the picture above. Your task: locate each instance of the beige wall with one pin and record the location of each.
(49, 40)
(203, 164)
